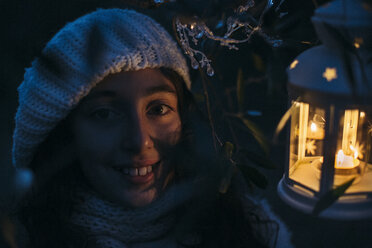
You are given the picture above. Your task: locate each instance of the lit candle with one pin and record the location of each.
(315, 132)
(345, 161)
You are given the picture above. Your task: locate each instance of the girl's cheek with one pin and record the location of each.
(169, 132)
(96, 143)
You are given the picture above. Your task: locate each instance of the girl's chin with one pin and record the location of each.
(139, 199)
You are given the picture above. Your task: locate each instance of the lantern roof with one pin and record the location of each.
(341, 67)
(349, 21)
(346, 13)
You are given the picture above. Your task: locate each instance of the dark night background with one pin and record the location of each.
(26, 26)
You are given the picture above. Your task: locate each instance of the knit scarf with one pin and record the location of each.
(110, 225)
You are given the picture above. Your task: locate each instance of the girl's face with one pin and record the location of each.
(118, 128)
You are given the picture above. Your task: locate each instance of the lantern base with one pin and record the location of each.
(348, 207)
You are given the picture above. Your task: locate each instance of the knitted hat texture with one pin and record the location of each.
(78, 57)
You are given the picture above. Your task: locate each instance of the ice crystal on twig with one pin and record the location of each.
(197, 57)
(193, 31)
(244, 8)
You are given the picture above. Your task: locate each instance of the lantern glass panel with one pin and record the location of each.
(352, 158)
(306, 144)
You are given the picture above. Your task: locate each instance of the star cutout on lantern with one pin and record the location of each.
(360, 149)
(330, 74)
(310, 147)
(293, 64)
(369, 128)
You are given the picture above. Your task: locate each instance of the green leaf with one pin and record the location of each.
(331, 197)
(258, 159)
(253, 175)
(240, 89)
(282, 122)
(228, 149)
(226, 180)
(257, 134)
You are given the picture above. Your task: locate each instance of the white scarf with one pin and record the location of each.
(111, 226)
(109, 223)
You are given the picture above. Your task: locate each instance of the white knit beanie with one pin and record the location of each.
(78, 57)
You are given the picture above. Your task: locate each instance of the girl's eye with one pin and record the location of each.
(159, 110)
(105, 114)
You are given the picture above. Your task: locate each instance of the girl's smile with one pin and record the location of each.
(140, 173)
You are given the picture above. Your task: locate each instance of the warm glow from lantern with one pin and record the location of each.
(362, 114)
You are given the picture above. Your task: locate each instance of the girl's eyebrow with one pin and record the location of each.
(98, 94)
(159, 88)
(150, 91)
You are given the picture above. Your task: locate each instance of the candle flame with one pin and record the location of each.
(313, 127)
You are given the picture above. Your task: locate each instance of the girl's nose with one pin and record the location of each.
(138, 136)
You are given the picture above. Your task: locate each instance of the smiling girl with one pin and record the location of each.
(120, 155)
(115, 130)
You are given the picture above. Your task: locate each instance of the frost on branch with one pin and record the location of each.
(193, 31)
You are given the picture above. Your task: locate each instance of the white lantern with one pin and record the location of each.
(330, 139)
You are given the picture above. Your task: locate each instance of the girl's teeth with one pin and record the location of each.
(142, 171)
